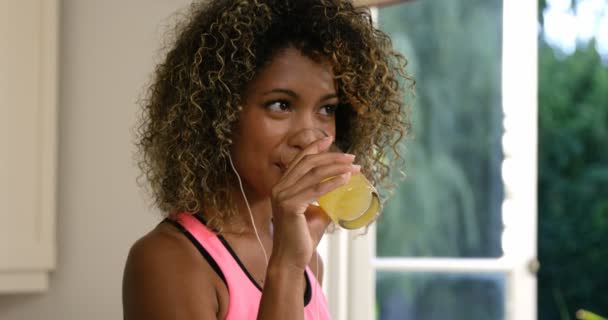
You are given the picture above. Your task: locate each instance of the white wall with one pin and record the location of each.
(107, 53)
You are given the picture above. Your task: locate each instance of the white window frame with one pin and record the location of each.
(350, 258)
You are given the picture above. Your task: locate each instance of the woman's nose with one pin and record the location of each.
(306, 136)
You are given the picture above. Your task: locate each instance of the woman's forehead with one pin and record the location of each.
(290, 67)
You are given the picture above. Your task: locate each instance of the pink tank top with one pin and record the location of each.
(245, 294)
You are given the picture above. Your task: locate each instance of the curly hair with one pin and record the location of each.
(191, 108)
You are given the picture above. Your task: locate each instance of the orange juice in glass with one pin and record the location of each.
(353, 205)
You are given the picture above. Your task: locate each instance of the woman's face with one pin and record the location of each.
(291, 93)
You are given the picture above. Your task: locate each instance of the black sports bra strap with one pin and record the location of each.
(200, 248)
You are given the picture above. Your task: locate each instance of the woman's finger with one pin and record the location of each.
(314, 192)
(312, 163)
(319, 174)
(318, 146)
(317, 221)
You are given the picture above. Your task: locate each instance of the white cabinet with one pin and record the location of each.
(28, 142)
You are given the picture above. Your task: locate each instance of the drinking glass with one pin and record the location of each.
(353, 205)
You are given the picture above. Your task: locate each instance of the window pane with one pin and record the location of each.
(422, 296)
(450, 203)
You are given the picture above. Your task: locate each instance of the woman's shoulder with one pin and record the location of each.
(163, 272)
(162, 247)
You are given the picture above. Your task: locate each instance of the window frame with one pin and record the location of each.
(350, 259)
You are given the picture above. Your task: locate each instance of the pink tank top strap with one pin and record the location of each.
(244, 294)
(317, 309)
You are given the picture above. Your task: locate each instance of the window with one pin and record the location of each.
(458, 239)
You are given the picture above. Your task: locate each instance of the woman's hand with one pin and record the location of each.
(298, 226)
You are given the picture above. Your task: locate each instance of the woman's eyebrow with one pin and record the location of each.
(288, 92)
(293, 94)
(329, 96)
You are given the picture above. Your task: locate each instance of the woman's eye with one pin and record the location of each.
(278, 106)
(329, 110)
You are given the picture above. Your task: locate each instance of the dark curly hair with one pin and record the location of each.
(193, 103)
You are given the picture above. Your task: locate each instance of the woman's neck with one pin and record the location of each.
(261, 211)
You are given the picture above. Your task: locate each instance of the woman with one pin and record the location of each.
(241, 83)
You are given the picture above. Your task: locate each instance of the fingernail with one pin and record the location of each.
(346, 175)
(356, 167)
(349, 156)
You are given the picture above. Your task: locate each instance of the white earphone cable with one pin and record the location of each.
(255, 229)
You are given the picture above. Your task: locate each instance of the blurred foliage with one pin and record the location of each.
(542, 4)
(586, 315)
(449, 205)
(573, 183)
